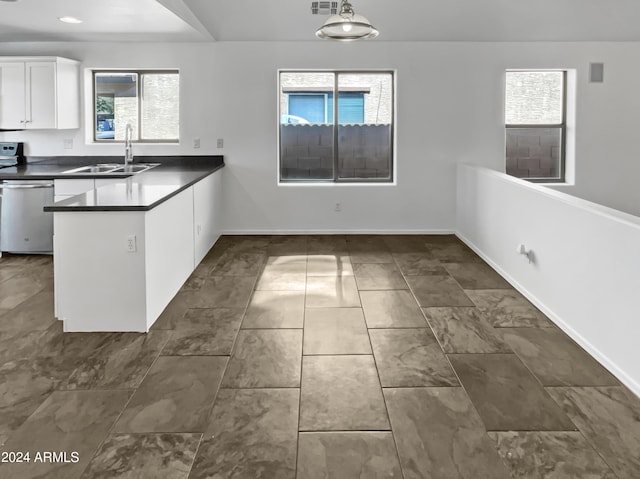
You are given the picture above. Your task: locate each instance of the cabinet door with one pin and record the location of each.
(206, 215)
(12, 95)
(63, 187)
(41, 94)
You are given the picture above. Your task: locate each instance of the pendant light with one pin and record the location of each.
(346, 26)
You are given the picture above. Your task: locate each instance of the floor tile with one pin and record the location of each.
(287, 245)
(505, 308)
(439, 435)
(175, 396)
(174, 311)
(239, 264)
(144, 456)
(113, 360)
(222, 292)
(19, 344)
(432, 291)
(333, 455)
(372, 256)
(476, 276)
(550, 455)
(214, 254)
(405, 243)
(365, 241)
(92, 360)
(277, 281)
(24, 386)
(8, 271)
(205, 318)
(335, 331)
(555, 359)
(252, 434)
(379, 276)
(249, 244)
(464, 330)
(506, 395)
(265, 358)
(35, 314)
(452, 251)
(609, 418)
(68, 421)
(341, 393)
(410, 358)
(419, 264)
(293, 263)
(332, 292)
(391, 309)
(275, 309)
(329, 265)
(197, 278)
(326, 244)
(23, 286)
(205, 332)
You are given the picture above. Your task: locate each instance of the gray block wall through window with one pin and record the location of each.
(306, 151)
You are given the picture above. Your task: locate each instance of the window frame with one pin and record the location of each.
(139, 92)
(562, 126)
(335, 124)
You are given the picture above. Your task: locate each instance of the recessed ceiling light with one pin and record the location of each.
(69, 19)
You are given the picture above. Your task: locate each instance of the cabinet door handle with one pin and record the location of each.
(23, 121)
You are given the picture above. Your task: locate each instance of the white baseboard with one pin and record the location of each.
(335, 232)
(572, 333)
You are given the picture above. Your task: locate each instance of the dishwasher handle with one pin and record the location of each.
(28, 185)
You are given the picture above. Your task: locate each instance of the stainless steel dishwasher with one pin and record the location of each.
(24, 226)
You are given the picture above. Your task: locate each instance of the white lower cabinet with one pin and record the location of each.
(67, 188)
(103, 286)
(206, 211)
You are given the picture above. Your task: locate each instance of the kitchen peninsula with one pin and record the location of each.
(123, 250)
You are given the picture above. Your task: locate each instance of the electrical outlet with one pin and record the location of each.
(196, 143)
(131, 244)
(199, 230)
(220, 143)
(338, 207)
(68, 144)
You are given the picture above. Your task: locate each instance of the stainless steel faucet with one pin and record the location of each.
(128, 154)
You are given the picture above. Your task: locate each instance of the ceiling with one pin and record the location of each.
(291, 20)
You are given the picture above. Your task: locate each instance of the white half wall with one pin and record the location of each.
(449, 110)
(586, 271)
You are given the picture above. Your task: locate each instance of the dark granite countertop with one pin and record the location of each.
(138, 192)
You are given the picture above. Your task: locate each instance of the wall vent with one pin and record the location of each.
(324, 8)
(596, 72)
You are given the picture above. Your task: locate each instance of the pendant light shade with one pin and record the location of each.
(347, 26)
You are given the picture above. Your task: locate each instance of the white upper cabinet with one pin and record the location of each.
(39, 93)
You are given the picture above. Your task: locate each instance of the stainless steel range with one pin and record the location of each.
(11, 154)
(24, 226)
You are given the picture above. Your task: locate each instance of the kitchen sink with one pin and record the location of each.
(115, 168)
(135, 168)
(101, 168)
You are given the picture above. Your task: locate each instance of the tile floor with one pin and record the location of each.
(312, 357)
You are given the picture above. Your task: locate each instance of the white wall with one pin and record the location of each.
(449, 110)
(586, 272)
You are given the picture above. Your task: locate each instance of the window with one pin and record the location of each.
(149, 100)
(354, 145)
(535, 111)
